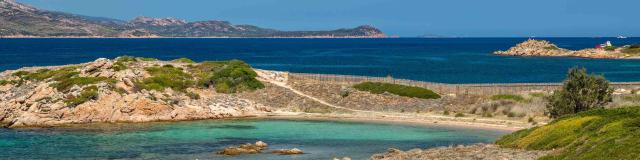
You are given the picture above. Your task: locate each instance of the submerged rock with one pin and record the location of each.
(288, 151)
(244, 149)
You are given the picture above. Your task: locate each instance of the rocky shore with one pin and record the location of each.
(544, 48)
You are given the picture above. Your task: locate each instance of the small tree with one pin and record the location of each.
(579, 92)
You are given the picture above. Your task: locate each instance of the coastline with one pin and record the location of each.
(425, 120)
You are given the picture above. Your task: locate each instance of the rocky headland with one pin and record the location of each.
(544, 48)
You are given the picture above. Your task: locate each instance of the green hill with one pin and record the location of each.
(597, 134)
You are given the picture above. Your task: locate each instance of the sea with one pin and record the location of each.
(320, 140)
(443, 60)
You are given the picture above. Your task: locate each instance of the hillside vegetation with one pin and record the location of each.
(596, 134)
(401, 90)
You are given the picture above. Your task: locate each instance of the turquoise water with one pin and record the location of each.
(201, 139)
(448, 60)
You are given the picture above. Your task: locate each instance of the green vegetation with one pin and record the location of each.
(166, 77)
(596, 134)
(610, 48)
(401, 90)
(193, 95)
(44, 74)
(65, 83)
(580, 92)
(147, 59)
(122, 61)
(551, 48)
(227, 76)
(633, 49)
(88, 93)
(511, 97)
(183, 60)
(5, 82)
(536, 95)
(459, 115)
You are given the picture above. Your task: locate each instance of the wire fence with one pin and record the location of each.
(443, 88)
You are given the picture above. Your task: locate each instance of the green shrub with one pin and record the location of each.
(459, 115)
(88, 93)
(63, 84)
(446, 112)
(228, 77)
(511, 97)
(166, 77)
(183, 60)
(5, 82)
(595, 134)
(45, 74)
(193, 95)
(633, 49)
(580, 92)
(610, 48)
(551, 48)
(147, 59)
(401, 90)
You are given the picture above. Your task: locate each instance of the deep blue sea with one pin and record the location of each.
(448, 60)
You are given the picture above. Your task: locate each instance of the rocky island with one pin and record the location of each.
(544, 48)
(18, 20)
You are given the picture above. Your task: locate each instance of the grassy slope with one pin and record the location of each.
(597, 134)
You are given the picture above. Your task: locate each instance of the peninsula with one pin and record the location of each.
(22, 21)
(544, 48)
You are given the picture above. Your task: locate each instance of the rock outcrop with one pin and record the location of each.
(533, 47)
(477, 151)
(98, 92)
(288, 151)
(244, 149)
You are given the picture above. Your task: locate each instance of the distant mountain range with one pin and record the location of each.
(19, 20)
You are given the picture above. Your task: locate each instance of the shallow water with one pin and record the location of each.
(451, 60)
(201, 139)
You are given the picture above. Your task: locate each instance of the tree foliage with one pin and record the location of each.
(579, 92)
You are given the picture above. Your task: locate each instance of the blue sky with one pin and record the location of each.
(469, 18)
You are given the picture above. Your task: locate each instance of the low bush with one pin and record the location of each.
(88, 93)
(401, 90)
(5, 82)
(633, 49)
(46, 74)
(228, 76)
(610, 48)
(63, 84)
(166, 77)
(183, 60)
(459, 115)
(551, 48)
(595, 134)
